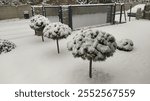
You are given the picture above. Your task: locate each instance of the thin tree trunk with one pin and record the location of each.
(42, 37)
(57, 45)
(90, 69)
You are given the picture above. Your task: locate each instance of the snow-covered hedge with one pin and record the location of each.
(92, 44)
(57, 30)
(38, 22)
(125, 45)
(6, 46)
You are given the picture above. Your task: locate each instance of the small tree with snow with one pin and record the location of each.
(92, 45)
(38, 23)
(57, 31)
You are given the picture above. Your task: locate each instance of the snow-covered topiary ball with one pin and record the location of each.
(38, 22)
(6, 46)
(92, 44)
(57, 30)
(125, 45)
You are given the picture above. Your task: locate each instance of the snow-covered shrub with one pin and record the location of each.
(125, 45)
(6, 46)
(57, 31)
(93, 45)
(38, 23)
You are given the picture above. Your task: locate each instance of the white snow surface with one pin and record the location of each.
(34, 61)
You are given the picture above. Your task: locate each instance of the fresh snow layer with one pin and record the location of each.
(34, 61)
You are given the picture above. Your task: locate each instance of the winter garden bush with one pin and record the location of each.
(57, 31)
(38, 23)
(125, 45)
(6, 46)
(93, 45)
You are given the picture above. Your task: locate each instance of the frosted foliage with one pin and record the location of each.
(38, 22)
(57, 31)
(6, 46)
(125, 44)
(92, 44)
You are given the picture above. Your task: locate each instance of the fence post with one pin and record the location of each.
(70, 16)
(130, 12)
(60, 15)
(114, 13)
(43, 11)
(125, 13)
(121, 14)
(111, 12)
(32, 10)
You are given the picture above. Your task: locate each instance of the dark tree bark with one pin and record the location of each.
(90, 68)
(57, 45)
(42, 37)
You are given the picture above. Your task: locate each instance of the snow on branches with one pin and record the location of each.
(57, 30)
(38, 22)
(92, 44)
(6, 46)
(125, 45)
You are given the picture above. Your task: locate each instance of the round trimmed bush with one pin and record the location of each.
(93, 45)
(57, 31)
(125, 45)
(38, 22)
(6, 46)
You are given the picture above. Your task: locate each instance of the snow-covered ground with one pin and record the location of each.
(34, 61)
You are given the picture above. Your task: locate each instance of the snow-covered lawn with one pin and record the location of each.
(34, 61)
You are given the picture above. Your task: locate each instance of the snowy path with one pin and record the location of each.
(34, 61)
